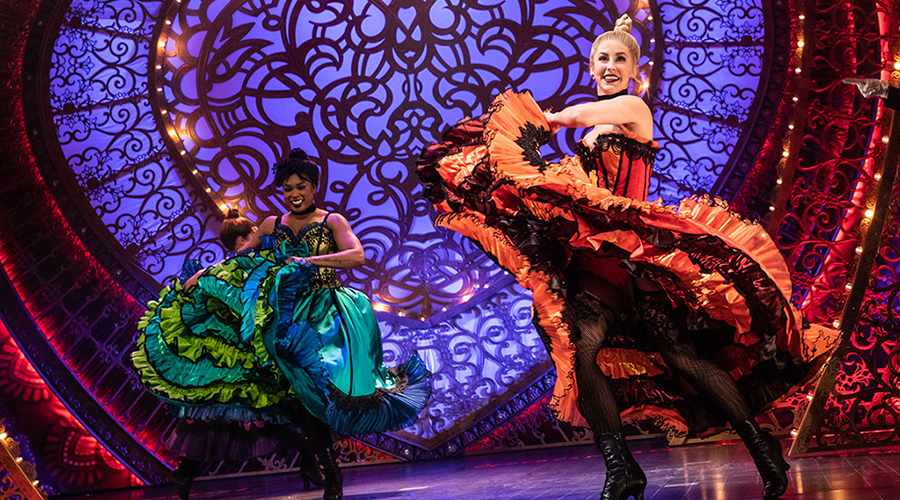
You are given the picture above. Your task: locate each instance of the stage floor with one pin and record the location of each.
(714, 471)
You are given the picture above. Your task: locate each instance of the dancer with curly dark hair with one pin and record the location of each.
(271, 334)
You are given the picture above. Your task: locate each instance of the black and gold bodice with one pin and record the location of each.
(313, 239)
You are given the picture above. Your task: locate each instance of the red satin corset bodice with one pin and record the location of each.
(619, 162)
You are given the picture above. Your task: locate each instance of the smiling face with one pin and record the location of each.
(299, 193)
(612, 67)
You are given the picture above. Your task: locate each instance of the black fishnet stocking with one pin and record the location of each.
(595, 399)
(682, 356)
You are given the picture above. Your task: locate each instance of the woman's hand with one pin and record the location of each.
(553, 121)
(298, 260)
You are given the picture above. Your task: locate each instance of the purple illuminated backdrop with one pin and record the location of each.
(165, 112)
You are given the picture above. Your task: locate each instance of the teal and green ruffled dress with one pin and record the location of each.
(256, 336)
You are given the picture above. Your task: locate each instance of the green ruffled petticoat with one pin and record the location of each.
(255, 337)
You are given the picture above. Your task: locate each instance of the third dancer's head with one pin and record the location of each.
(236, 230)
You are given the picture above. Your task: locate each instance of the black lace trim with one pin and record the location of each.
(618, 144)
(359, 405)
(530, 139)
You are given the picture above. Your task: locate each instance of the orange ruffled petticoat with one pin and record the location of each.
(491, 185)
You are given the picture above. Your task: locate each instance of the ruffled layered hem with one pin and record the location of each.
(488, 179)
(252, 340)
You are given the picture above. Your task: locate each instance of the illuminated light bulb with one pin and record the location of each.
(209, 190)
(795, 98)
(162, 44)
(801, 43)
(885, 139)
(645, 85)
(195, 172)
(810, 395)
(848, 287)
(798, 70)
(163, 111)
(159, 89)
(771, 208)
(897, 65)
(794, 433)
(172, 132)
(785, 154)
(3, 435)
(421, 318)
(858, 250)
(401, 313)
(653, 40)
(183, 152)
(443, 309)
(650, 63)
(837, 323)
(18, 460)
(791, 126)
(869, 213)
(224, 207)
(778, 181)
(801, 17)
(169, 22)
(159, 66)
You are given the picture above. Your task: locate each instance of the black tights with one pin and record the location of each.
(317, 432)
(595, 398)
(681, 355)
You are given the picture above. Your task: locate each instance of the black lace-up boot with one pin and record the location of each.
(624, 477)
(767, 455)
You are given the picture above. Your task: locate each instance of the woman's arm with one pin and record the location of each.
(350, 252)
(267, 226)
(630, 112)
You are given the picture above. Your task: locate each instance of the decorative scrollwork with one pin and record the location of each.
(363, 86)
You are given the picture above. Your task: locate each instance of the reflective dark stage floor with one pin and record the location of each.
(722, 471)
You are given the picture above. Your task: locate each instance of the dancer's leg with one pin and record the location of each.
(310, 471)
(185, 473)
(597, 403)
(319, 436)
(682, 356)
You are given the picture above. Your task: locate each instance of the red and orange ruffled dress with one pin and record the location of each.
(490, 183)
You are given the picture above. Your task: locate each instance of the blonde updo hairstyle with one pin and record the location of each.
(620, 33)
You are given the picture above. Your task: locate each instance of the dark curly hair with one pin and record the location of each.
(235, 225)
(298, 163)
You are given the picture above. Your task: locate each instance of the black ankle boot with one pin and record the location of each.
(334, 481)
(184, 474)
(310, 471)
(624, 477)
(767, 455)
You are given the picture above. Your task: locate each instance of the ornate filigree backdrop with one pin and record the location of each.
(153, 114)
